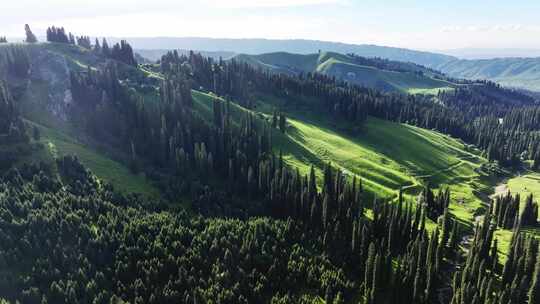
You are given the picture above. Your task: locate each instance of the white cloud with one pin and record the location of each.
(350, 21)
(268, 3)
(171, 25)
(491, 28)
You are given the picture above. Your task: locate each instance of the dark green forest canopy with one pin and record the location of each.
(73, 240)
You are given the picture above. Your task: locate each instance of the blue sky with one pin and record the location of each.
(421, 24)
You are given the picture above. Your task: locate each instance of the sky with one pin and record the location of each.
(420, 24)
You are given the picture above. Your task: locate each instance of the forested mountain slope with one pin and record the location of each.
(383, 166)
(319, 162)
(116, 247)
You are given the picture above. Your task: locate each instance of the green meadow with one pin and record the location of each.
(386, 156)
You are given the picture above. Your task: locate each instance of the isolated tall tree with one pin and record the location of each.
(530, 212)
(105, 48)
(30, 37)
(97, 47)
(282, 122)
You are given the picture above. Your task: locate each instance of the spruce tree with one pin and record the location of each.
(105, 48)
(282, 122)
(30, 37)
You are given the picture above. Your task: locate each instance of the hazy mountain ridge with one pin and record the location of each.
(514, 72)
(155, 54)
(490, 53)
(298, 46)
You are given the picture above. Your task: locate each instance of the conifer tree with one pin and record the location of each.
(30, 37)
(282, 122)
(274, 119)
(529, 215)
(97, 46)
(105, 48)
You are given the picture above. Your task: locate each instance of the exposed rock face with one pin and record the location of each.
(50, 80)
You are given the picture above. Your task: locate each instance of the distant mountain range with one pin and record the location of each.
(514, 72)
(154, 55)
(486, 53)
(297, 46)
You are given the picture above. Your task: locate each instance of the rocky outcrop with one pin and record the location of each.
(49, 82)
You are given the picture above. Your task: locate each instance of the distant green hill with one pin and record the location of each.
(369, 72)
(512, 72)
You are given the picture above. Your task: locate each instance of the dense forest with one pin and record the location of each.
(70, 239)
(87, 243)
(258, 231)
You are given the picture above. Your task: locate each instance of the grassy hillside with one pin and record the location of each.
(58, 144)
(346, 68)
(526, 184)
(388, 156)
(385, 155)
(283, 62)
(513, 72)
